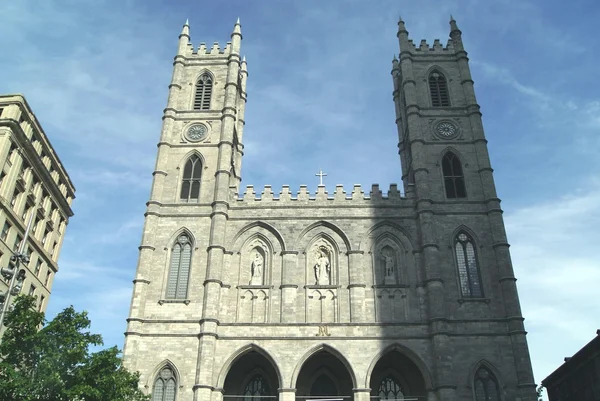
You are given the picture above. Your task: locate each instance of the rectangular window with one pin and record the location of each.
(38, 267)
(41, 303)
(48, 275)
(13, 201)
(2, 176)
(5, 231)
(46, 236)
(18, 242)
(32, 290)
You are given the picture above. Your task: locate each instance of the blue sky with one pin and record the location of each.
(96, 75)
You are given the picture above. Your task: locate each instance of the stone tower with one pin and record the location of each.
(398, 295)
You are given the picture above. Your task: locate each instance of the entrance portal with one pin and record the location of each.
(397, 377)
(324, 377)
(251, 378)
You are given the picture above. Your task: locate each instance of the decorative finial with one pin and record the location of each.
(400, 18)
(451, 18)
(238, 21)
(243, 59)
(395, 59)
(187, 22)
(453, 26)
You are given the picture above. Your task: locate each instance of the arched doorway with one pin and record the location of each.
(397, 377)
(324, 376)
(252, 377)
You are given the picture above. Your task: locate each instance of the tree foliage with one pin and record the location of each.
(54, 363)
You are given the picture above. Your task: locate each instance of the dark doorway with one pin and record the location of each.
(324, 376)
(252, 377)
(396, 377)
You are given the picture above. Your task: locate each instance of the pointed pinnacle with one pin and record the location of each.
(400, 18)
(243, 59)
(395, 59)
(187, 22)
(238, 21)
(451, 18)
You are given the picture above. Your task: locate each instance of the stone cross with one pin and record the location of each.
(321, 174)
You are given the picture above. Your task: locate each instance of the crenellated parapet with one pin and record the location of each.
(303, 195)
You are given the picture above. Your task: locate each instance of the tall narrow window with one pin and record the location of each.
(454, 180)
(179, 270)
(390, 390)
(439, 90)
(256, 389)
(486, 386)
(203, 93)
(190, 185)
(164, 386)
(468, 271)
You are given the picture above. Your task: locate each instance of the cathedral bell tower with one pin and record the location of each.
(446, 168)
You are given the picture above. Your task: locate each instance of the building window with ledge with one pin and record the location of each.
(438, 88)
(48, 275)
(190, 183)
(468, 270)
(164, 386)
(486, 386)
(454, 179)
(5, 231)
(203, 93)
(179, 269)
(38, 267)
(18, 242)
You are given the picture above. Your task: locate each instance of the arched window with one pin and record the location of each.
(468, 271)
(256, 389)
(179, 270)
(390, 390)
(164, 386)
(486, 386)
(190, 183)
(439, 90)
(454, 180)
(203, 93)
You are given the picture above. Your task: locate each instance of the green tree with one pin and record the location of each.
(54, 363)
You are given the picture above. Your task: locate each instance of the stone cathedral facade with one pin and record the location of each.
(407, 293)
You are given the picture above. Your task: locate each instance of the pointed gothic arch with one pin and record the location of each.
(203, 91)
(438, 88)
(453, 174)
(179, 257)
(253, 229)
(191, 177)
(404, 366)
(484, 380)
(322, 348)
(256, 354)
(324, 227)
(165, 382)
(466, 260)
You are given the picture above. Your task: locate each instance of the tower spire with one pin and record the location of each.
(402, 35)
(184, 38)
(455, 34)
(236, 37)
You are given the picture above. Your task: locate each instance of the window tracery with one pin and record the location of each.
(486, 386)
(203, 92)
(454, 180)
(164, 386)
(190, 185)
(389, 389)
(468, 270)
(438, 89)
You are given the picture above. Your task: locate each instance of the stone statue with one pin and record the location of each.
(388, 268)
(322, 268)
(257, 270)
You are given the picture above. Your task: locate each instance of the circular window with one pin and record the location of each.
(446, 130)
(197, 132)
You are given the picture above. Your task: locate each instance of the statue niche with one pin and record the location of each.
(257, 268)
(255, 263)
(386, 266)
(322, 263)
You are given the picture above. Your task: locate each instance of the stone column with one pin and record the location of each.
(289, 288)
(357, 286)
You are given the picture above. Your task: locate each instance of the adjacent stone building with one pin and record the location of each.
(389, 293)
(34, 185)
(578, 379)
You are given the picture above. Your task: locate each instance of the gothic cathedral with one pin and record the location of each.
(407, 294)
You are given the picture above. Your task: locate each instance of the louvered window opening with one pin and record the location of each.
(164, 386)
(179, 270)
(203, 93)
(257, 389)
(454, 180)
(486, 386)
(438, 88)
(190, 186)
(468, 271)
(390, 390)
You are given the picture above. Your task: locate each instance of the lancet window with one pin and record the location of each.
(454, 180)
(164, 386)
(190, 184)
(389, 389)
(486, 386)
(179, 269)
(438, 88)
(468, 270)
(203, 93)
